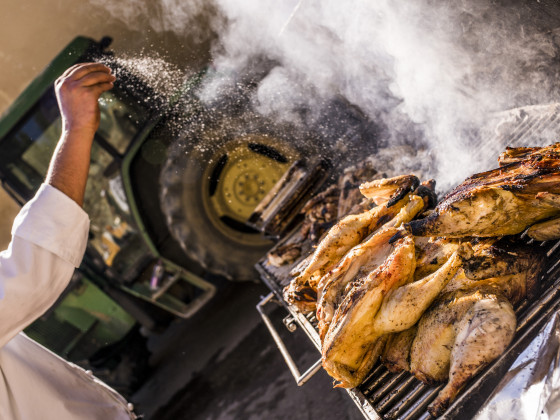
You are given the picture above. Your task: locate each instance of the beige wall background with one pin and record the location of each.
(32, 32)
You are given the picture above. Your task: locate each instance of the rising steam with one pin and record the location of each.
(431, 73)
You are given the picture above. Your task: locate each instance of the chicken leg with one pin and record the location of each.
(482, 335)
(403, 306)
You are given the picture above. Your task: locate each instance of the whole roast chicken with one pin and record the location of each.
(473, 320)
(351, 230)
(503, 201)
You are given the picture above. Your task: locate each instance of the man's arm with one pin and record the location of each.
(49, 235)
(77, 92)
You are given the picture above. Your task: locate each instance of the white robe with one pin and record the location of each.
(49, 238)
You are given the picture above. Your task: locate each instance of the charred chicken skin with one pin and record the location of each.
(503, 201)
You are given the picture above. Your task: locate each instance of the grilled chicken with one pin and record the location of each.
(347, 233)
(302, 296)
(550, 229)
(350, 231)
(481, 335)
(437, 333)
(284, 254)
(396, 353)
(403, 306)
(471, 324)
(432, 253)
(386, 189)
(503, 201)
(342, 237)
(358, 262)
(516, 154)
(350, 347)
(495, 258)
(320, 213)
(545, 231)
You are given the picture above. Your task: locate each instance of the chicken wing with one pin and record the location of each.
(387, 189)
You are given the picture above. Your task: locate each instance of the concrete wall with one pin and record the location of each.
(32, 32)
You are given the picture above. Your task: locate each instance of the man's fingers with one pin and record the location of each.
(81, 70)
(102, 87)
(91, 79)
(69, 70)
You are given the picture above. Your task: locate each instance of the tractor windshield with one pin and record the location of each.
(25, 154)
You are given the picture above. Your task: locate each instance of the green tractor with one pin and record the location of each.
(168, 196)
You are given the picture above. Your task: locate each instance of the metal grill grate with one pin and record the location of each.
(401, 396)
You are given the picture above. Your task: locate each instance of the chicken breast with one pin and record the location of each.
(387, 189)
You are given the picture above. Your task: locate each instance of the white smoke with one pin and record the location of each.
(431, 72)
(443, 66)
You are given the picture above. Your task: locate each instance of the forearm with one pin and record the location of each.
(68, 171)
(77, 93)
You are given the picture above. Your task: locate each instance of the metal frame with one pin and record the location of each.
(306, 325)
(300, 378)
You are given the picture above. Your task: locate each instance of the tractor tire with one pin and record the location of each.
(209, 186)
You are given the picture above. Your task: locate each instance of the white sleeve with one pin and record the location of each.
(49, 237)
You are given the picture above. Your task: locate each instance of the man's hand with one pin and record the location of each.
(77, 93)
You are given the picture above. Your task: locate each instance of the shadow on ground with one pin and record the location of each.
(223, 364)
